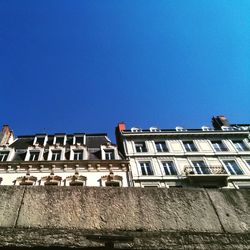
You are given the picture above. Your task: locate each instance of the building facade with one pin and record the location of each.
(64, 160)
(217, 156)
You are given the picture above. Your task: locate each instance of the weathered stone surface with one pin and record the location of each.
(155, 218)
(118, 209)
(10, 203)
(232, 208)
(74, 238)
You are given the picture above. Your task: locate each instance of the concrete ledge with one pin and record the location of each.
(64, 239)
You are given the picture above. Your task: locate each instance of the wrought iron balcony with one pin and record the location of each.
(204, 170)
(206, 176)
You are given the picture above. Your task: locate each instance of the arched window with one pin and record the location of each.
(26, 180)
(76, 180)
(111, 180)
(51, 180)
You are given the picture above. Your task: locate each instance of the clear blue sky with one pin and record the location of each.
(83, 66)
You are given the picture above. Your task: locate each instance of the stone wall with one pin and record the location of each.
(153, 218)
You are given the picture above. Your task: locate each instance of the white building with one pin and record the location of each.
(64, 160)
(206, 157)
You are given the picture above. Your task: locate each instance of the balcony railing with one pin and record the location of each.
(205, 170)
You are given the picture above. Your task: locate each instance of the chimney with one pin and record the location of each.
(219, 121)
(5, 135)
(120, 127)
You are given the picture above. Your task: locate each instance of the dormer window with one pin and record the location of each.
(56, 155)
(109, 154)
(206, 128)
(79, 140)
(78, 155)
(4, 155)
(136, 130)
(154, 129)
(226, 128)
(39, 140)
(34, 155)
(59, 140)
(178, 128)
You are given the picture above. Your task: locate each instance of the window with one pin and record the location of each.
(59, 140)
(109, 154)
(206, 128)
(112, 184)
(200, 167)
(40, 141)
(146, 168)
(248, 163)
(154, 129)
(219, 146)
(232, 167)
(189, 146)
(34, 155)
(140, 147)
(56, 155)
(4, 155)
(178, 128)
(161, 146)
(169, 168)
(78, 155)
(240, 146)
(79, 139)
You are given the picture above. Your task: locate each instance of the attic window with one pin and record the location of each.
(226, 128)
(136, 130)
(39, 140)
(109, 154)
(79, 140)
(59, 140)
(178, 128)
(206, 128)
(154, 129)
(4, 155)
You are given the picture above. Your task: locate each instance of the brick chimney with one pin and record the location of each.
(219, 121)
(119, 128)
(5, 135)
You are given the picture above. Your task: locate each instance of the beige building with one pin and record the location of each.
(217, 156)
(64, 160)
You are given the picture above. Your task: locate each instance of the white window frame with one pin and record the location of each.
(179, 128)
(109, 152)
(79, 136)
(136, 129)
(141, 148)
(60, 156)
(78, 153)
(3, 158)
(33, 151)
(238, 146)
(189, 147)
(45, 138)
(231, 167)
(59, 136)
(146, 165)
(219, 146)
(196, 165)
(154, 129)
(165, 164)
(161, 148)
